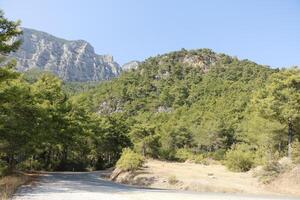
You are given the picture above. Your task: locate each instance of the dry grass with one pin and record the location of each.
(198, 177)
(202, 178)
(10, 183)
(172, 180)
(288, 182)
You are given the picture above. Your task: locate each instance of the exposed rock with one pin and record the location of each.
(131, 178)
(114, 175)
(200, 61)
(70, 60)
(164, 109)
(109, 107)
(130, 65)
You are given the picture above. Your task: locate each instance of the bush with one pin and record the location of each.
(30, 164)
(3, 168)
(262, 155)
(218, 154)
(199, 159)
(183, 155)
(270, 171)
(239, 159)
(166, 154)
(172, 180)
(10, 183)
(296, 152)
(129, 160)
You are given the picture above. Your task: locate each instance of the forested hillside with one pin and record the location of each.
(186, 105)
(200, 104)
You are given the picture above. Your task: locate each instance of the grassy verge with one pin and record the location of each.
(10, 183)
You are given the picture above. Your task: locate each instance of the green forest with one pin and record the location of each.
(185, 105)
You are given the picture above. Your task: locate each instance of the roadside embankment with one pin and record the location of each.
(10, 183)
(206, 178)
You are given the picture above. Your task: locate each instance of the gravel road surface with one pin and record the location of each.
(89, 186)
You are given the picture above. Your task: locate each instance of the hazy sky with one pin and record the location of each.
(265, 31)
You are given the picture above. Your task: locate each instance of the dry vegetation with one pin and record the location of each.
(209, 178)
(10, 183)
(288, 182)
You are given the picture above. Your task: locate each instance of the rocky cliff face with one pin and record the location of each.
(132, 65)
(70, 60)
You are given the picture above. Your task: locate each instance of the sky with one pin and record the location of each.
(264, 31)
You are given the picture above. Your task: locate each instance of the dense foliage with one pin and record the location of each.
(240, 158)
(129, 160)
(40, 128)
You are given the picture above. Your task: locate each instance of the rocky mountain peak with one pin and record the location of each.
(73, 60)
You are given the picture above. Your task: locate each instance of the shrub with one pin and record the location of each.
(10, 183)
(183, 155)
(3, 168)
(166, 154)
(30, 164)
(218, 154)
(199, 159)
(262, 155)
(129, 160)
(270, 171)
(296, 152)
(239, 159)
(172, 180)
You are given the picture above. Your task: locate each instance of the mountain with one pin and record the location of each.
(70, 60)
(197, 78)
(180, 78)
(196, 99)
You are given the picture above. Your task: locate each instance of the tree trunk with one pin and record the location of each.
(290, 135)
(11, 163)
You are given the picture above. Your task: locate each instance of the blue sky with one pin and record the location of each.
(265, 31)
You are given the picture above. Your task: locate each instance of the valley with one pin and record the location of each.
(183, 124)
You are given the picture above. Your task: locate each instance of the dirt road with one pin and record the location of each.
(89, 186)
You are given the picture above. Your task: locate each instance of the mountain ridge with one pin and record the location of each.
(71, 60)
